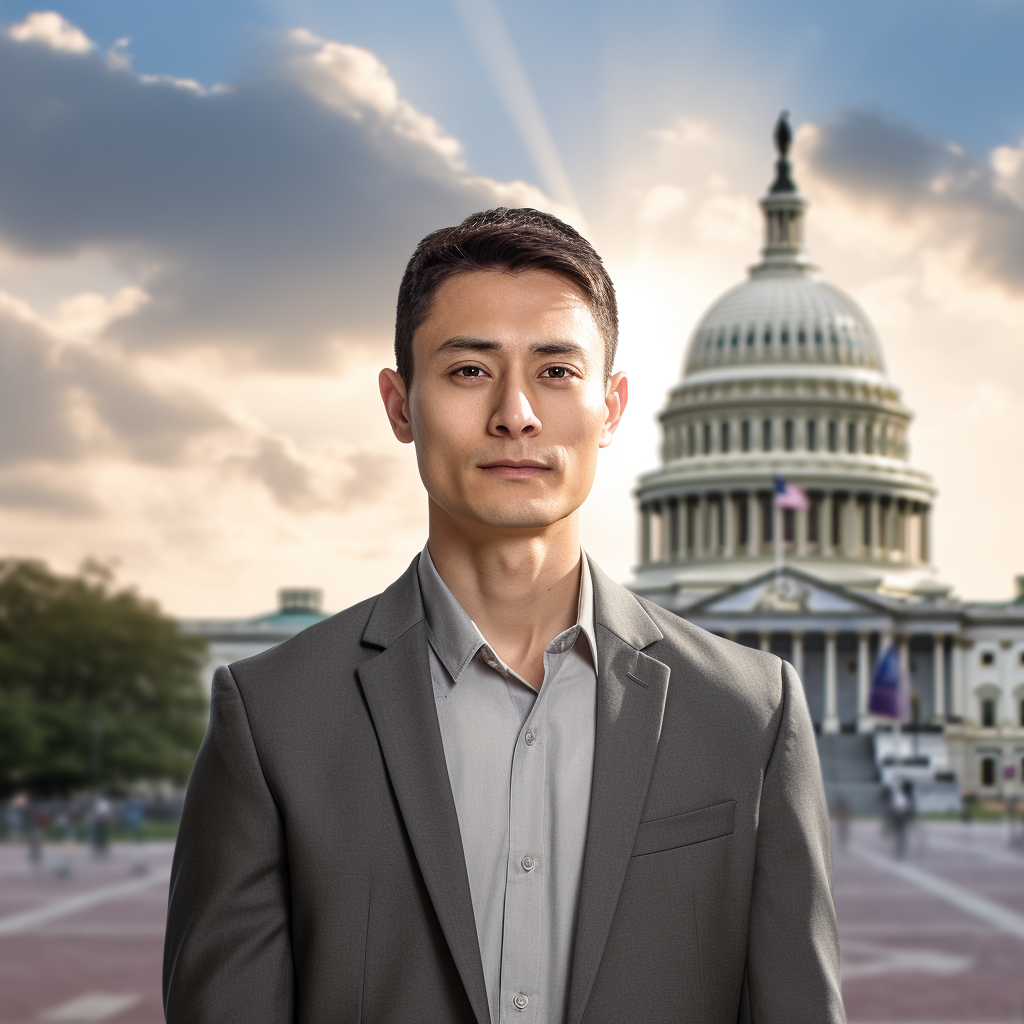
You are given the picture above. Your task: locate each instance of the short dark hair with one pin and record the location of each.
(513, 241)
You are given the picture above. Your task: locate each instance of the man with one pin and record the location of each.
(506, 789)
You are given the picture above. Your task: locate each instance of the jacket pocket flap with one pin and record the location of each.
(684, 829)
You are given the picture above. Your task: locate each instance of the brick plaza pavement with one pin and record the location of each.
(937, 938)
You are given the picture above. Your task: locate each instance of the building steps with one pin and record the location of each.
(849, 772)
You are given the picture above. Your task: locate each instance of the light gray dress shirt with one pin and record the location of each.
(520, 764)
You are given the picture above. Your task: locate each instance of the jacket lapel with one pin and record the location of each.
(400, 697)
(631, 690)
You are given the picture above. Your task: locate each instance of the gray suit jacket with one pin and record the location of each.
(319, 873)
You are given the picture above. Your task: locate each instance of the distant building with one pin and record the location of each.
(784, 376)
(232, 639)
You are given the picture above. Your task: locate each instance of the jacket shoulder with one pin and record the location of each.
(730, 670)
(322, 644)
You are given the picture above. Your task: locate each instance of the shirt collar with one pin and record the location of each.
(456, 638)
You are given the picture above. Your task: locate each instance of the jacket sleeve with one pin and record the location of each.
(227, 951)
(793, 943)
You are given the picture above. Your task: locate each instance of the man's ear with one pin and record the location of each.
(615, 404)
(396, 403)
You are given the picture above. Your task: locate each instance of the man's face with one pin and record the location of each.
(508, 405)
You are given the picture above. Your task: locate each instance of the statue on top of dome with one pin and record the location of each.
(783, 138)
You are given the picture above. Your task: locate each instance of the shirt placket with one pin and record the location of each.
(521, 996)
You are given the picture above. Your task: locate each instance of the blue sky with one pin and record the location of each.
(197, 284)
(948, 67)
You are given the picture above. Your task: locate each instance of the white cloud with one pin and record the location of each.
(51, 29)
(660, 202)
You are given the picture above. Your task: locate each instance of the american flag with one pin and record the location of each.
(788, 495)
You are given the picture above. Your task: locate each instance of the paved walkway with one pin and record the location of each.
(82, 940)
(937, 938)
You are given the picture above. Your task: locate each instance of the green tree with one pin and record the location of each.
(75, 651)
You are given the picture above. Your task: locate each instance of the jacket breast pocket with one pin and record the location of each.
(684, 829)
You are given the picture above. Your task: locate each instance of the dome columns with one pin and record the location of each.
(729, 523)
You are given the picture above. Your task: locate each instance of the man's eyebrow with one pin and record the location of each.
(558, 348)
(463, 343)
(467, 343)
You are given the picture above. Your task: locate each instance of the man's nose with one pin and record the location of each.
(514, 415)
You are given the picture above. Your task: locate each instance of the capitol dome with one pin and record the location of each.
(784, 316)
(784, 376)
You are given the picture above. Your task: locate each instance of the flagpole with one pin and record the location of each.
(777, 535)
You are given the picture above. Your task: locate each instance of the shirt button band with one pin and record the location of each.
(520, 1002)
(528, 863)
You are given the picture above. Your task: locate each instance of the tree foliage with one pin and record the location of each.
(82, 661)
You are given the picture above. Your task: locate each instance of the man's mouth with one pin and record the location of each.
(515, 469)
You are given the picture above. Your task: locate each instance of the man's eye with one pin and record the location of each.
(469, 371)
(557, 372)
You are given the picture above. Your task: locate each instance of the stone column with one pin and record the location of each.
(765, 637)
(850, 517)
(956, 655)
(714, 516)
(798, 652)
(863, 681)
(800, 532)
(926, 554)
(831, 723)
(903, 646)
(668, 521)
(729, 525)
(753, 524)
(939, 676)
(872, 510)
(645, 534)
(680, 510)
(825, 524)
(699, 526)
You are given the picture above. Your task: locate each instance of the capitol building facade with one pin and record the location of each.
(784, 376)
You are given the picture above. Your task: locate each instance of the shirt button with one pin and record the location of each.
(530, 737)
(528, 863)
(520, 1002)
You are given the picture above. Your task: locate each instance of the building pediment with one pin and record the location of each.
(787, 591)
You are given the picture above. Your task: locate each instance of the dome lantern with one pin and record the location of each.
(783, 208)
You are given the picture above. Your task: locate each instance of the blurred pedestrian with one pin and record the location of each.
(38, 821)
(901, 812)
(100, 827)
(17, 822)
(131, 816)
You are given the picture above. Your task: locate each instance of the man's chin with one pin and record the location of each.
(518, 516)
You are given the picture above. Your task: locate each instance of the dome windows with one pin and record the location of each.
(745, 435)
(766, 435)
(833, 436)
(801, 336)
(851, 438)
(789, 435)
(751, 336)
(735, 341)
(767, 335)
(784, 334)
(812, 435)
(818, 336)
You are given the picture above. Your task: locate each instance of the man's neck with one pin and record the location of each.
(521, 587)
